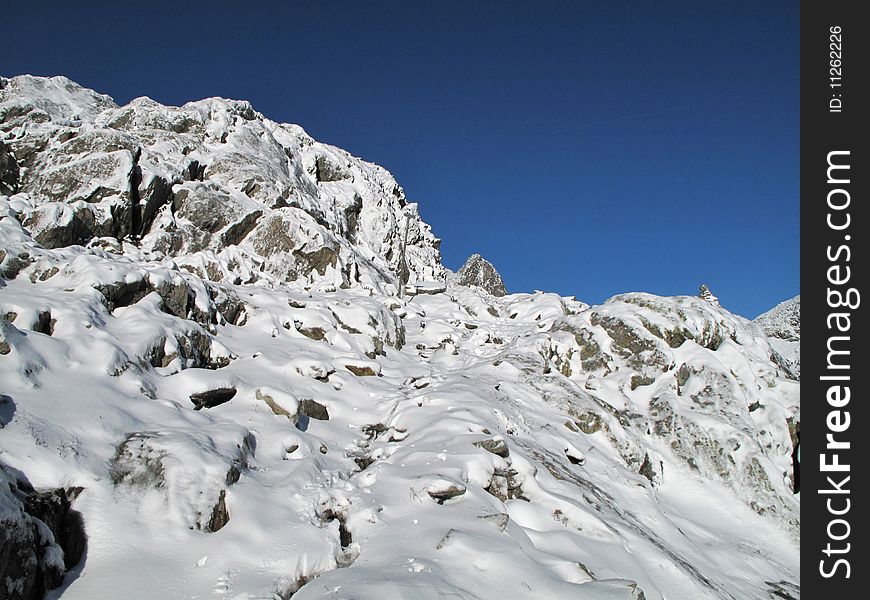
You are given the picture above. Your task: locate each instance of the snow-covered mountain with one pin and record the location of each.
(208, 368)
(782, 324)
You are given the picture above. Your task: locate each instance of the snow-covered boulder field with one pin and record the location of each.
(212, 388)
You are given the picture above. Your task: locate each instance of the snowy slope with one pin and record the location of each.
(252, 411)
(782, 324)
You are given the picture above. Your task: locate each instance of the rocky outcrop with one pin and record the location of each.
(479, 272)
(8, 171)
(41, 538)
(174, 463)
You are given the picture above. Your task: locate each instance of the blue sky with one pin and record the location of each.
(587, 148)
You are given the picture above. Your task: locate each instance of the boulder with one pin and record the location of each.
(41, 537)
(212, 398)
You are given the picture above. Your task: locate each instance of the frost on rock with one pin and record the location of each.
(202, 332)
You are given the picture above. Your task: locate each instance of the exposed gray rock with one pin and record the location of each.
(220, 516)
(138, 462)
(361, 371)
(479, 272)
(327, 170)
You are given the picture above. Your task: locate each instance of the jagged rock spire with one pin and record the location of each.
(479, 272)
(706, 294)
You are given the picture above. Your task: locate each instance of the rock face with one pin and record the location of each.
(159, 260)
(782, 324)
(479, 272)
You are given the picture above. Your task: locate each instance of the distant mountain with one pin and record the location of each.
(211, 381)
(782, 324)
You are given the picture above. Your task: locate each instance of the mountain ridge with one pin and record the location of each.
(209, 346)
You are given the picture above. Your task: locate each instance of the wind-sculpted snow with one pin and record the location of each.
(246, 419)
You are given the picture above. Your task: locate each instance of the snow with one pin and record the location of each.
(479, 447)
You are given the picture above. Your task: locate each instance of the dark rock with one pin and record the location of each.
(212, 398)
(326, 170)
(236, 232)
(374, 430)
(44, 323)
(505, 485)
(194, 171)
(318, 260)
(8, 171)
(54, 509)
(35, 531)
(51, 232)
(361, 371)
(314, 333)
(156, 194)
(588, 422)
(641, 380)
(443, 494)
(11, 265)
(176, 297)
(276, 408)
(497, 446)
(574, 460)
(646, 469)
(229, 305)
(479, 272)
(124, 293)
(351, 217)
(220, 516)
(272, 236)
(313, 409)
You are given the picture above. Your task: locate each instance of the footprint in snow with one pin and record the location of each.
(222, 586)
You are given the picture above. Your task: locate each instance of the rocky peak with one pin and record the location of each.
(479, 272)
(212, 185)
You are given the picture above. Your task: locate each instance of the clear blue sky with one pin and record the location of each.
(587, 148)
